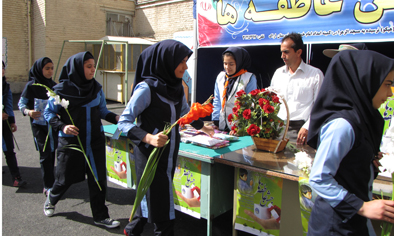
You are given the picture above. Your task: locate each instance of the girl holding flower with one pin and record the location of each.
(33, 99)
(157, 100)
(233, 79)
(346, 128)
(8, 128)
(87, 106)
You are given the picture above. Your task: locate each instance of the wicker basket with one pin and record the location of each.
(273, 145)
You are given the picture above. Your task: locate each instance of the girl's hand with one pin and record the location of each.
(378, 210)
(376, 162)
(71, 130)
(14, 128)
(233, 133)
(208, 130)
(157, 140)
(34, 114)
(5, 116)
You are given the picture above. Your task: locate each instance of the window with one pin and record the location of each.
(119, 24)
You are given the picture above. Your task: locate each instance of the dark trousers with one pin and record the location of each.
(47, 162)
(8, 149)
(136, 227)
(97, 197)
(12, 164)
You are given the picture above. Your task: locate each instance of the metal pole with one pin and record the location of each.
(194, 82)
(58, 62)
(99, 57)
(126, 80)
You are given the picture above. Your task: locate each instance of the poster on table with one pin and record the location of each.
(259, 200)
(307, 200)
(256, 22)
(117, 163)
(187, 185)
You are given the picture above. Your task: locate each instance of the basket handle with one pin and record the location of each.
(288, 118)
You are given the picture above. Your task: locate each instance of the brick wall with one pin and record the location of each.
(52, 23)
(77, 20)
(162, 21)
(15, 31)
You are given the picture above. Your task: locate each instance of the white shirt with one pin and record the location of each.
(300, 90)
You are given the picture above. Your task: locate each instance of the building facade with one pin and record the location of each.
(36, 28)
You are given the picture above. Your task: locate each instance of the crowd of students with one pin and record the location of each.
(342, 122)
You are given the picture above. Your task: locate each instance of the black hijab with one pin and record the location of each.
(6, 86)
(242, 61)
(73, 85)
(156, 66)
(36, 76)
(352, 80)
(241, 57)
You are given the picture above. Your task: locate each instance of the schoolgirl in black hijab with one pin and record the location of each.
(40, 73)
(9, 127)
(243, 62)
(346, 128)
(36, 76)
(6, 86)
(353, 80)
(87, 106)
(73, 85)
(155, 68)
(234, 78)
(157, 99)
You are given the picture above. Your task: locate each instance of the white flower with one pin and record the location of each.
(51, 93)
(57, 100)
(64, 103)
(387, 163)
(303, 161)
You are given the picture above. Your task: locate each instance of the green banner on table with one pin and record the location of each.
(259, 200)
(116, 152)
(307, 200)
(187, 185)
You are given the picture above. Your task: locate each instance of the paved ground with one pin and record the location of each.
(23, 208)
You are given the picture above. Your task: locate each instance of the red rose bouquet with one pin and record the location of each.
(256, 114)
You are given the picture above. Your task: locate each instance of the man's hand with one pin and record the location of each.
(302, 136)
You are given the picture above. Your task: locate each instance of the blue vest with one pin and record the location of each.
(354, 174)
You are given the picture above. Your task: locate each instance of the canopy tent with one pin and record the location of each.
(116, 59)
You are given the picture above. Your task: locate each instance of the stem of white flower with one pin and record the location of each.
(9, 126)
(83, 151)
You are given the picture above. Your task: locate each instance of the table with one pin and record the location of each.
(218, 179)
(278, 165)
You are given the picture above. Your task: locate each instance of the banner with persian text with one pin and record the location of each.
(256, 22)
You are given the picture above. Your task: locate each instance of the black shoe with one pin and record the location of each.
(18, 182)
(109, 223)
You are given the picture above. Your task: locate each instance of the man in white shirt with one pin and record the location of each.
(299, 83)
